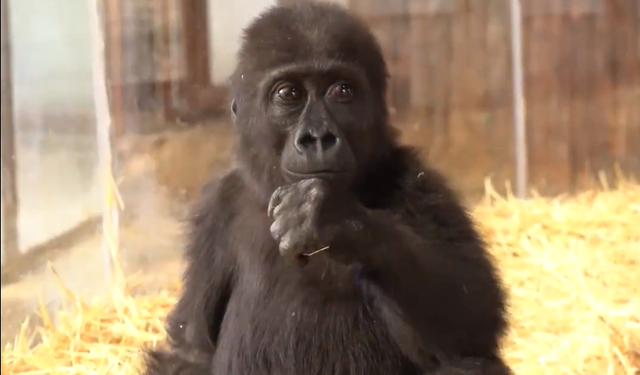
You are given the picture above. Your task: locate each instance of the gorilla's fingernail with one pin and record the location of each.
(276, 210)
(272, 206)
(276, 199)
(270, 210)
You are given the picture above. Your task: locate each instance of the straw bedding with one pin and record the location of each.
(572, 266)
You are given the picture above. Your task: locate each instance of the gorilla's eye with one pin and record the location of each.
(342, 92)
(288, 94)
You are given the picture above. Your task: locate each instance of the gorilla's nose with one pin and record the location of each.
(315, 141)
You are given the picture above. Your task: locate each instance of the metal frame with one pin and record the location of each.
(519, 109)
(10, 243)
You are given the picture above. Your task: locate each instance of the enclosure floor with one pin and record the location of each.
(82, 269)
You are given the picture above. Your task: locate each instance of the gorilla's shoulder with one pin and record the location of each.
(217, 193)
(224, 186)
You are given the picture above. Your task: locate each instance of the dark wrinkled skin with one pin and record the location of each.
(295, 210)
(330, 248)
(300, 226)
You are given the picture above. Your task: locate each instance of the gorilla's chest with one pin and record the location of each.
(296, 323)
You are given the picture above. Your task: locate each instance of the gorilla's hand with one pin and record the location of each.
(301, 224)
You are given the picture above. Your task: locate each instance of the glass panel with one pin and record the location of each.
(51, 182)
(167, 62)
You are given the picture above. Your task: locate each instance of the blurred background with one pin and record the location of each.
(459, 71)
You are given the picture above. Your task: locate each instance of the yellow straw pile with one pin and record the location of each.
(572, 267)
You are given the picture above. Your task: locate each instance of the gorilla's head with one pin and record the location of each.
(308, 97)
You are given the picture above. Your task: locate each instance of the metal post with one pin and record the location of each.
(519, 110)
(10, 244)
(103, 123)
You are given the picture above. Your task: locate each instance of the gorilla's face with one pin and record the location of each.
(320, 115)
(312, 119)
(309, 102)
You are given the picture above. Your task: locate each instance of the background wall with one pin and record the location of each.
(227, 19)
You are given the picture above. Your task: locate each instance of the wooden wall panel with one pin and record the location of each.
(582, 69)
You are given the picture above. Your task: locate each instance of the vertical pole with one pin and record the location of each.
(112, 22)
(519, 110)
(103, 123)
(10, 244)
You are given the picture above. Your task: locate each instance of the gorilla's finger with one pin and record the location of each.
(277, 230)
(276, 199)
(286, 244)
(277, 211)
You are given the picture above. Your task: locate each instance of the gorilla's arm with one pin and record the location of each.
(426, 245)
(194, 324)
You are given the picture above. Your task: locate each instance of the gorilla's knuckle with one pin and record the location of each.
(278, 192)
(278, 210)
(275, 230)
(287, 244)
(307, 207)
(319, 183)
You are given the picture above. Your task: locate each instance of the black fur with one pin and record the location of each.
(405, 286)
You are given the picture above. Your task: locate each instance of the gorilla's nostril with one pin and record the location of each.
(309, 141)
(328, 140)
(306, 141)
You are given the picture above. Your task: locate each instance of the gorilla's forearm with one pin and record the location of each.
(194, 323)
(431, 285)
(398, 260)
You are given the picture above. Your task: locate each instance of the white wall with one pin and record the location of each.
(226, 21)
(51, 54)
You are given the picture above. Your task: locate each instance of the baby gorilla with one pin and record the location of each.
(330, 248)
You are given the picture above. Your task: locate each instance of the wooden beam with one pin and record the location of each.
(195, 14)
(200, 99)
(114, 35)
(9, 183)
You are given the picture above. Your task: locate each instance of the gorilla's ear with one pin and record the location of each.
(234, 109)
